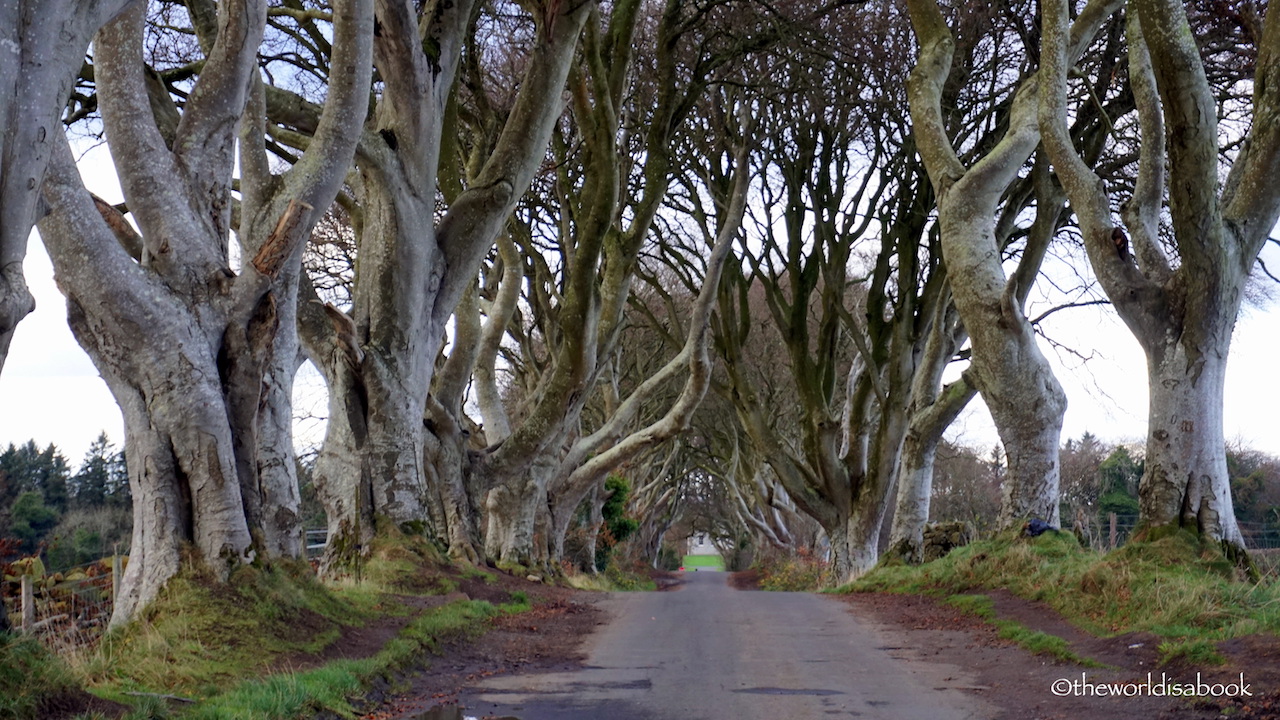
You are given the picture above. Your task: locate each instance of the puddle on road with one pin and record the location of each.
(453, 712)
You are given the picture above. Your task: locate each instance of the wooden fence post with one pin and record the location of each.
(117, 569)
(1112, 518)
(28, 605)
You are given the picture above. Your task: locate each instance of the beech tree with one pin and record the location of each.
(850, 280)
(607, 197)
(1180, 301)
(1015, 379)
(416, 257)
(181, 337)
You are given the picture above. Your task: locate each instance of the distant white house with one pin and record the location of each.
(700, 544)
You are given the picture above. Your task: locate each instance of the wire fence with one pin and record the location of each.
(70, 608)
(1113, 530)
(1105, 532)
(316, 540)
(67, 609)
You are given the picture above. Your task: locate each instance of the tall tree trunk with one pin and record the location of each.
(1015, 380)
(931, 411)
(414, 268)
(181, 339)
(1185, 481)
(512, 513)
(277, 468)
(1183, 317)
(182, 466)
(448, 467)
(595, 523)
(871, 497)
(915, 479)
(841, 552)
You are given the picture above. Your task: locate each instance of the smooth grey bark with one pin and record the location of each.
(595, 521)
(1183, 318)
(511, 512)
(42, 47)
(454, 507)
(1016, 382)
(276, 466)
(181, 339)
(931, 412)
(452, 440)
(414, 271)
(328, 338)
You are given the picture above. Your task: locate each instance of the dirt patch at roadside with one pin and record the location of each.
(745, 579)
(548, 638)
(362, 641)
(76, 703)
(1022, 684)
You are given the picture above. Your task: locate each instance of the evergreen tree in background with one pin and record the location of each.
(1119, 474)
(70, 519)
(27, 468)
(102, 479)
(31, 520)
(618, 525)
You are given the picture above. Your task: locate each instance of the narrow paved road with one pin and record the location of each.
(708, 652)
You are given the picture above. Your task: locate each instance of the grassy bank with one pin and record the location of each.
(28, 675)
(230, 648)
(1175, 586)
(288, 695)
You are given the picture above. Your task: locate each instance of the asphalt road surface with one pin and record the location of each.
(708, 652)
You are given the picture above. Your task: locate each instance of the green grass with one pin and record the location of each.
(289, 695)
(1173, 586)
(704, 561)
(1194, 652)
(474, 573)
(223, 644)
(1040, 643)
(28, 674)
(199, 635)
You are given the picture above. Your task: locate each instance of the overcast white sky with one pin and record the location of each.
(51, 392)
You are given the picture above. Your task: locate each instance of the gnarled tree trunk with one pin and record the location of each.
(181, 339)
(1182, 317)
(414, 270)
(1015, 380)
